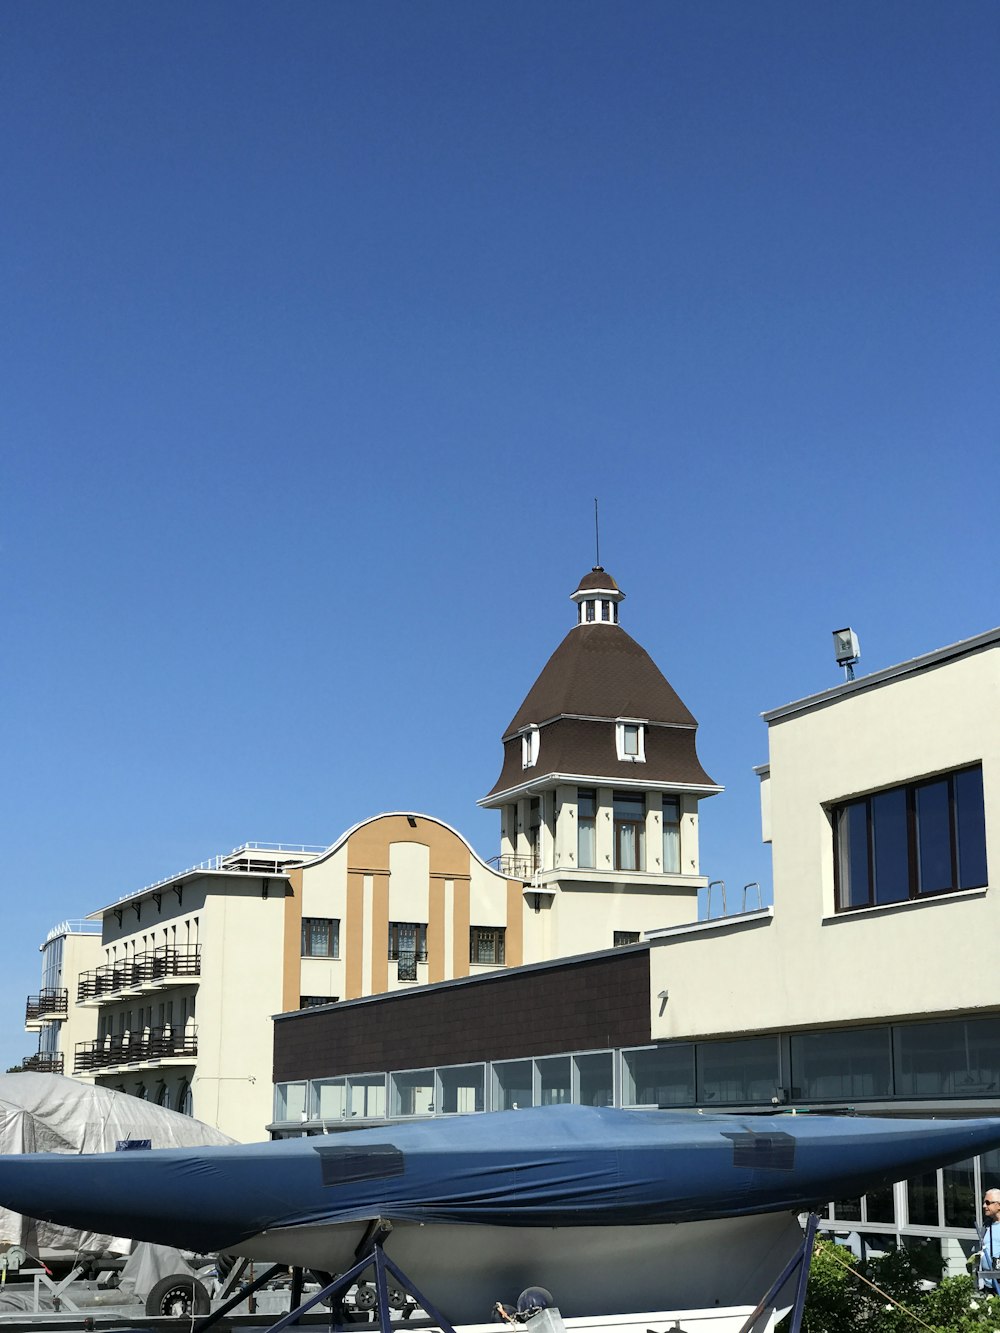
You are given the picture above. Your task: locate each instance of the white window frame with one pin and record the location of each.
(620, 724)
(529, 747)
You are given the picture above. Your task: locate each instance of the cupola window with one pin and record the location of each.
(630, 741)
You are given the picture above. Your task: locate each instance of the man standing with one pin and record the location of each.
(989, 1260)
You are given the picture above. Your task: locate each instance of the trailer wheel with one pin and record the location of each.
(180, 1296)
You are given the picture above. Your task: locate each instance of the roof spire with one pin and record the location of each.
(597, 537)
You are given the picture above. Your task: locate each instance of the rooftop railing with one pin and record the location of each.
(130, 1048)
(254, 858)
(161, 965)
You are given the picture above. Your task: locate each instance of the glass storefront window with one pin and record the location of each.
(960, 1058)
(554, 1085)
(662, 1076)
(738, 1071)
(922, 1200)
(960, 1199)
(847, 1210)
(880, 1205)
(366, 1096)
(462, 1089)
(841, 1065)
(412, 1092)
(513, 1081)
(596, 1075)
(327, 1099)
(290, 1101)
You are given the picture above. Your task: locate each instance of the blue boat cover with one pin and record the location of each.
(547, 1167)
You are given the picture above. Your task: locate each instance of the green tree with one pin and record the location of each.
(886, 1295)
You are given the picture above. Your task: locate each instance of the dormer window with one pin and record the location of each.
(529, 747)
(630, 741)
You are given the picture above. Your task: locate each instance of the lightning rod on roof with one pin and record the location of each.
(597, 537)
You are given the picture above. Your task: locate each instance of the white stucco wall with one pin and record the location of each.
(808, 965)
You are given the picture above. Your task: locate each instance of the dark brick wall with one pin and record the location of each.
(583, 1005)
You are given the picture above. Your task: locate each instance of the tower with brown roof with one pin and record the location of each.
(601, 779)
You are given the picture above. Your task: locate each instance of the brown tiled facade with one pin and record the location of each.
(588, 1003)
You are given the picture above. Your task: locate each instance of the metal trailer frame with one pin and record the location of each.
(371, 1254)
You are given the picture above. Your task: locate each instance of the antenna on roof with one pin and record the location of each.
(597, 537)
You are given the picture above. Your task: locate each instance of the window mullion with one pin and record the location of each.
(953, 829)
(870, 829)
(911, 840)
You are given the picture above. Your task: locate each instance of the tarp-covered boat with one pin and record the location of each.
(48, 1113)
(612, 1210)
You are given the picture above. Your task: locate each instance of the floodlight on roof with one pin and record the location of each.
(846, 649)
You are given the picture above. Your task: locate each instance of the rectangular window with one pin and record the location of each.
(671, 835)
(623, 937)
(486, 944)
(412, 1092)
(586, 827)
(555, 1084)
(630, 831)
(960, 1058)
(462, 1089)
(630, 738)
(908, 842)
(738, 1071)
(320, 937)
(513, 1085)
(314, 1001)
(841, 1065)
(407, 942)
(595, 1079)
(328, 1100)
(658, 1076)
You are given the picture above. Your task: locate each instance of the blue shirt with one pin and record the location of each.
(989, 1276)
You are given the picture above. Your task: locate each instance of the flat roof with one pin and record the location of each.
(915, 665)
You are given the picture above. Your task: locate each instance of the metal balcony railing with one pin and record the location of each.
(129, 1048)
(53, 1002)
(514, 866)
(144, 969)
(44, 1062)
(407, 965)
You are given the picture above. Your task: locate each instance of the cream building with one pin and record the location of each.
(879, 800)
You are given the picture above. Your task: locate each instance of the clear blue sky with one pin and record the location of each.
(325, 322)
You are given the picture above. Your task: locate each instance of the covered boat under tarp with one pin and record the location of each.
(49, 1113)
(612, 1210)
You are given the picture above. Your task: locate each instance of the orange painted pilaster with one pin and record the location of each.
(291, 948)
(436, 961)
(354, 929)
(460, 927)
(380, 933)
(514, 943)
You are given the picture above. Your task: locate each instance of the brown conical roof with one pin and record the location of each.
(600, 671)
(597, 580)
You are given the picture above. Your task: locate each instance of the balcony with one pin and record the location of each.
(144, 972)
(151, 1046)
(47, 1006)
(44, 1062)
(516, 867)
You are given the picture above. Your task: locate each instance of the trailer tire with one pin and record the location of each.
(180, 1295)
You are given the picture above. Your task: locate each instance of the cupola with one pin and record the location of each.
(597, 597)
